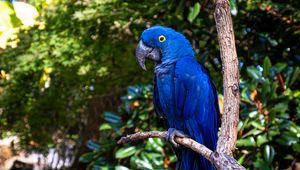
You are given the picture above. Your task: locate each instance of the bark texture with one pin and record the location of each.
(230, 69)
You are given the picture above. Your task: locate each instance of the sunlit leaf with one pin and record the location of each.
(233, 7)
(143, 163)
(119, 167)
(257, 125)
(269, 153)
(246, 142)
(261, 139)
(125, 152)
(241, 159)
(194, 11)
(252, 132)
(105, 126)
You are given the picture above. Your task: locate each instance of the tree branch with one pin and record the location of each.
(230, 66)
(187, 142)
(220, 160)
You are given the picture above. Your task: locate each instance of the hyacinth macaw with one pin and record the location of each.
(184, 94)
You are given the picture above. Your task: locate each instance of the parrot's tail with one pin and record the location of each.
(190, 160)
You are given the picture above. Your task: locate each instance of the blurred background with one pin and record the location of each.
(70, 86)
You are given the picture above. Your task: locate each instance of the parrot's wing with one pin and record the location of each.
(197, 102)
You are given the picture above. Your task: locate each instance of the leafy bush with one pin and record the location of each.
(269, 129)
(135, 114)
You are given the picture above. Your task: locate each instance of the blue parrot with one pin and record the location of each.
(184, 94)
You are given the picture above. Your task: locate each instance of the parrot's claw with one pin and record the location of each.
(172, 133)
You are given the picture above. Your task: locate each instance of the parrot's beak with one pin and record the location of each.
(142, 52)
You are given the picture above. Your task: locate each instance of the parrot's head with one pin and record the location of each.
(162, 44)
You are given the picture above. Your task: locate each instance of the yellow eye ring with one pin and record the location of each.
(162, 38)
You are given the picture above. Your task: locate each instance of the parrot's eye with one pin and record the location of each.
(162, 38)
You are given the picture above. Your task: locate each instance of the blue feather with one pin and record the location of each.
(184, 95)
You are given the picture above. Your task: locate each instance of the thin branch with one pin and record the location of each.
(220, 160)
(187, 142)
(230, 65)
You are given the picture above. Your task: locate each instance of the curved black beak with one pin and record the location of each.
(142, 52)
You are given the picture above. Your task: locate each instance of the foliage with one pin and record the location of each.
(269, 128)
(57, 68)
(135, 114)
(80, 49)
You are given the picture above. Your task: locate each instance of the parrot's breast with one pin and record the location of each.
(166, 91)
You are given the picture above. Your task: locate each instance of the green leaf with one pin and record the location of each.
(125, 152)
(294, 76)
(296, 94)
(97, 167)
(289, 157)
(133, 161)
(246, 142)
(261, 165)
(261, 139)
(173, 158)
(280, 66)
(252, 132)
(241, 159)
(144, 164)
(154, 158)
(280, 107)
(253, 114)
(112, 118)
(233, 7)
(257, 125)
(119, 167)
(245, 96)
(240, 125)
(194, 11)
(253, 72)
(269, 153)
(273, 131)
(88, 157)
(159, 142)
(287, 138)
(266, 88)
(143, 115)
(92, 145)
(296, 147)
(267, 66)
(152, 144)
(105, 126)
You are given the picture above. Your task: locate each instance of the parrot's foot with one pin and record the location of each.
(172, 133)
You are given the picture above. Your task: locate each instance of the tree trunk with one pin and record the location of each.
(230, 69)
